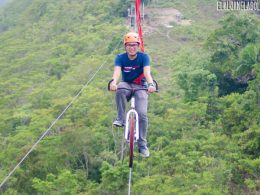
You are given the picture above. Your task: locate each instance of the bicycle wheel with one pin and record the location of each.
(131, 139)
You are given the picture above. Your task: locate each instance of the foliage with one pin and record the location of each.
(235, 51)
(65, 183)
(203, 124)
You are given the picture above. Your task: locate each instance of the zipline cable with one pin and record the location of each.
(56, 120)
(129, 181)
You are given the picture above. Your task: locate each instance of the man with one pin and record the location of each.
(135, 68)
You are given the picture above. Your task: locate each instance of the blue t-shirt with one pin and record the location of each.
(133, 70)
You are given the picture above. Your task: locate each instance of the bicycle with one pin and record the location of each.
(132, 121)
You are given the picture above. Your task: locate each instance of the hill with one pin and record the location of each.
(203, 125)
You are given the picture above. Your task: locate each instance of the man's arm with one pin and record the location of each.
(147, 74)
(117, 73)
(149, 79)
(116, 76)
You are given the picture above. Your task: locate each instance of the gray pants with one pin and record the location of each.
(141, 104)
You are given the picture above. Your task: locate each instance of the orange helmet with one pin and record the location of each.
(132, 37)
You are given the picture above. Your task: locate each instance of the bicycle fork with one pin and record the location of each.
(132, 113)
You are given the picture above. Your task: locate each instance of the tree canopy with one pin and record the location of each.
(204, 133)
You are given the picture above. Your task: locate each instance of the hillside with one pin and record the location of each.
(203, 124)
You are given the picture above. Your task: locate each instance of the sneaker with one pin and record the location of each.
(144, 151)
(118, 123)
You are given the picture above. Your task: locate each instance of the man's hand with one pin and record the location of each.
(113, 86)
(151, 88)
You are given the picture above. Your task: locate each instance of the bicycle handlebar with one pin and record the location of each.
(134, 90)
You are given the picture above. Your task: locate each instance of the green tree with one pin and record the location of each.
(235, 49)
(64, 183)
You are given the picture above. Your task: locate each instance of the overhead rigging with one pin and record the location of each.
(138, 28)
(138, 21)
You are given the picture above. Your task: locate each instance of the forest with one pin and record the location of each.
(204, 124)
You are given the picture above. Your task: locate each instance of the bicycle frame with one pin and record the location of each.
(132, 127)
(134, 112)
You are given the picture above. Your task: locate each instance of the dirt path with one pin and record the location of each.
(164, 17)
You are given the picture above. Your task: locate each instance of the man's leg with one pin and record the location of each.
(121, 97)
(141, 104)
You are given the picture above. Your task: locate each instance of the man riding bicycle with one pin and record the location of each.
(135, 68)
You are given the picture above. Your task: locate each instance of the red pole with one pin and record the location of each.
(138, 18)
